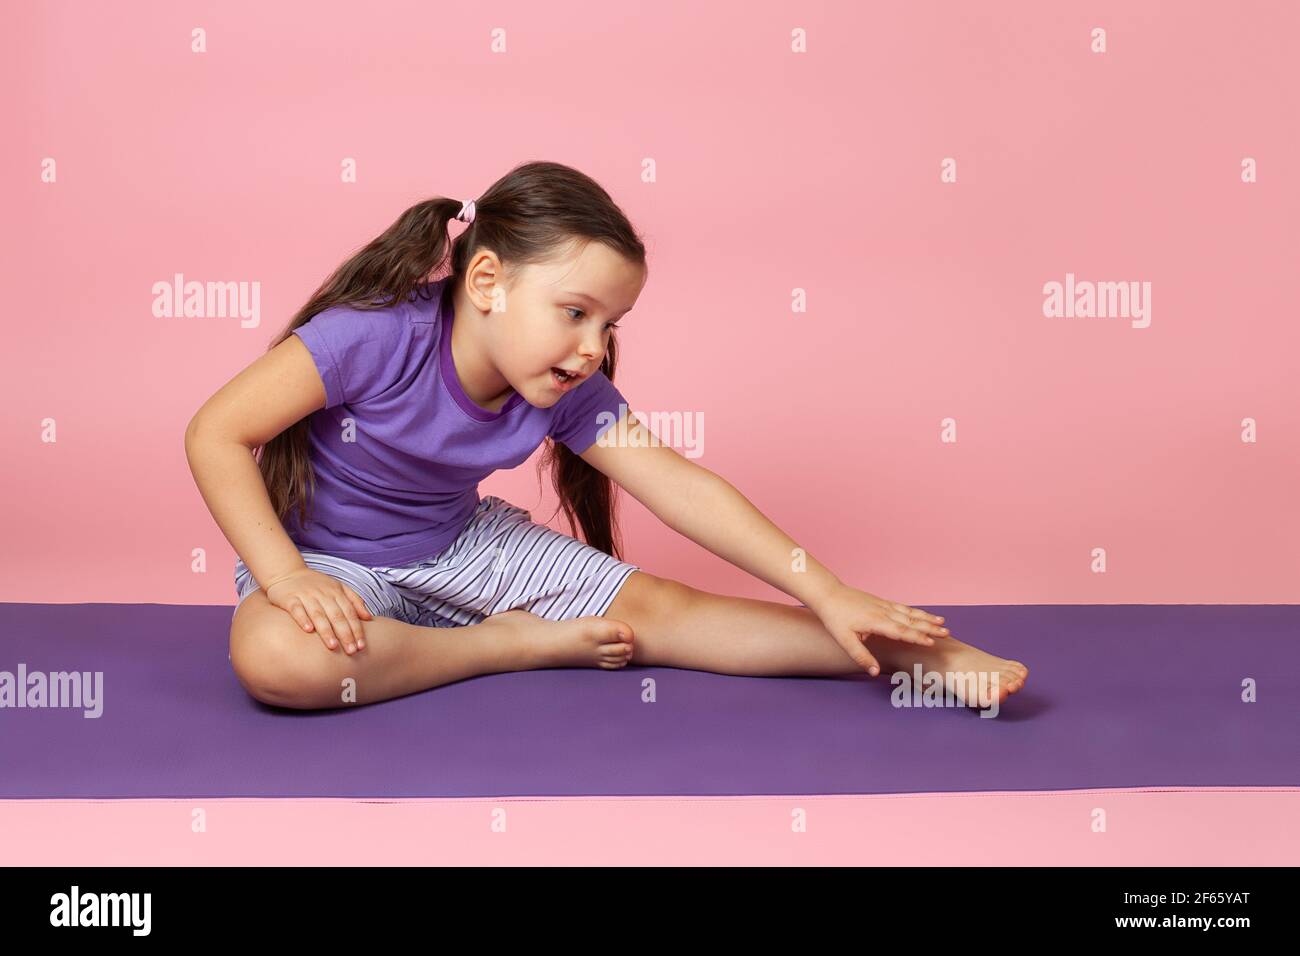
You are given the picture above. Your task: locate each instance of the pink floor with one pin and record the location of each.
(1170, 827)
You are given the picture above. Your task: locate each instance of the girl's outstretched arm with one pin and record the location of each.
(708, 509)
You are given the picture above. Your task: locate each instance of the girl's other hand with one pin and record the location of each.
(322, 604)
(851, 616)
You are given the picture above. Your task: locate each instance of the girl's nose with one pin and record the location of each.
(591, 347)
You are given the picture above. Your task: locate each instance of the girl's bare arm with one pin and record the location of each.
(278, 389)
(708, 509)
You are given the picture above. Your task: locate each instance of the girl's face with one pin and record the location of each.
(558, 317)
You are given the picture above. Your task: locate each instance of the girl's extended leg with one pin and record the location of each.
(675, 625)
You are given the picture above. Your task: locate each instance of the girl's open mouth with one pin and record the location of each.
(563, 380)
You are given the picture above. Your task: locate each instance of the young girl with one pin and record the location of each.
(371, 566)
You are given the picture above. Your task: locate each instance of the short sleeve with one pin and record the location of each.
(584, 414)
(359, 353)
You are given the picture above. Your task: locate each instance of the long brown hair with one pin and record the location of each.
(524, 217)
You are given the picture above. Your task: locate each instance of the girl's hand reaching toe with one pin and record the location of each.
(851, 616)
(322, 604)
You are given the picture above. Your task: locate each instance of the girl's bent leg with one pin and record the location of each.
(279, 663)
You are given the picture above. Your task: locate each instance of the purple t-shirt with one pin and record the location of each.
(399, 448)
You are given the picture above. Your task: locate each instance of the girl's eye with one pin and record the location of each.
(576, 318)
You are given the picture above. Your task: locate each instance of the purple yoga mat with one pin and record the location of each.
(1119, 696)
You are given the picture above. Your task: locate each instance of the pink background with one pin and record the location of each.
(776, 171)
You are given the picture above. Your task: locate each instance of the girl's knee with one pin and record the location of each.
(644, 596)
(275, 660)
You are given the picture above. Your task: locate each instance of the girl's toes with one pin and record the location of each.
(616, 653)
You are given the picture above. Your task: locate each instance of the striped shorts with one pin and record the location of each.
(502, 560)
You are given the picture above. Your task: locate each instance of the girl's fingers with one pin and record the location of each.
(913, 636)
(917, 612)
(314, 623)
(858, 651)
(866, 659)
(904, 631)
(299, 614)
(323, 625)
(363, 613)
(934, 630)
(360, 604)
(350, 623)
(334, 612)
(923, 620)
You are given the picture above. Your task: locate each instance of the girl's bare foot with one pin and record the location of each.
(531, 642)
(951, 658)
